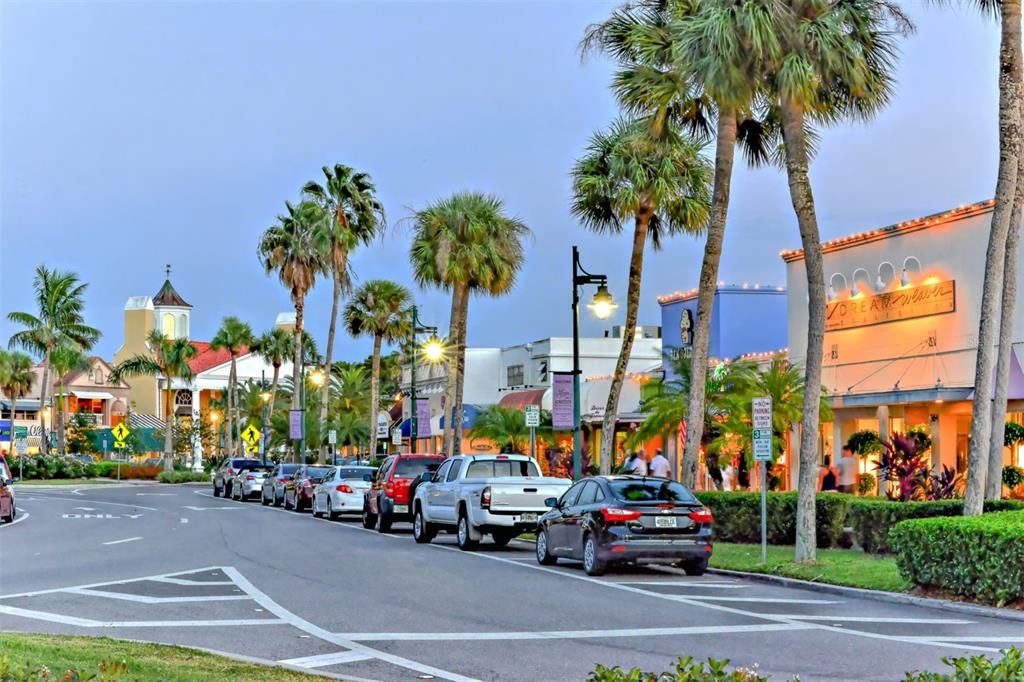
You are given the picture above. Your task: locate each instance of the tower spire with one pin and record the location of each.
(167, 269)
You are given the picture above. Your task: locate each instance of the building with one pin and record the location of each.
(901, 330)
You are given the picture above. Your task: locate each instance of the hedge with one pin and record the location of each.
(183, 477)
(974, 556)
(738, 516)
(872, 520)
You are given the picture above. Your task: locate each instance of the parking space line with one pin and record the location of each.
(880, 619)
(143, 599)
(49, 617)
(979, 638)
(190, 583)
(682, 583)
(763, 600)
(118, 542)
(327, 659)
(36, 593)
(90, 623)
(568, 634)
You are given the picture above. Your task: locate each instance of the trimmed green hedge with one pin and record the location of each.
(183, 477)
(738, 516)
(872, 520)
(975, 556)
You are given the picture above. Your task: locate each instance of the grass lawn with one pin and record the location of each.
(834, 566)
(64, 481)
(144, 661)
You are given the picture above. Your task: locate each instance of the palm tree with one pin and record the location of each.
(997, 263)
(661, 184)
(16, 377)
(354, 217)
(58, 320)
(64, 359)
(235, 337)
(462, 244)
(290, 250)
(506, 428)
(169, 360)
(274, 347)
(381, 309)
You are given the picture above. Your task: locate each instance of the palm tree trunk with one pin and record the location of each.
(327, 365)
(169, 428)
(725, 152)
(233, 389)
(611, 410)
(374, 393)
(460, 375)
(273, 391)
(1006, 183)
(297, 377)
(448, 433)
(44, 441)
(802, 196)
(994, 480)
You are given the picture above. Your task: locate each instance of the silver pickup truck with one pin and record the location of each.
(476, 495)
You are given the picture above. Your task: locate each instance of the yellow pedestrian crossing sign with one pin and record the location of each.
(121, 433)
(251, 436)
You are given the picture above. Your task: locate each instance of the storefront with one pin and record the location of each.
(901, 331)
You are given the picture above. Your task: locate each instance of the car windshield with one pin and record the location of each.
(634, 490)
(355, 472)
(245, 463)
(318, 472)
(502, 468)
(413, 467)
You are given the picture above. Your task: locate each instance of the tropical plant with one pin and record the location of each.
(465, 243)
(864, 443)
(900, 464)
(1012, 476)
(169, 360)
(1013, 433)
(944, 485)
(65, 359)
(380, 309)
(79, 432)
(661, 184)
(506, 428)
(16, 377)
(235, 337)
(290, 249)
(866, 484)
(58, 321)
(274, 347)
(353, 217)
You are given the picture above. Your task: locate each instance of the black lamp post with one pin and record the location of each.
(432, 350)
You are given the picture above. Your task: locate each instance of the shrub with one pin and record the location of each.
(1012, 476)
(977, 669)
(864, 443)
(738, 516)
(183, 477)
(872, 519)
(1013, 433)
(975, 556)
(46, 467)
(686, 670)
(866, 484)
(142, 472)
(108, 469)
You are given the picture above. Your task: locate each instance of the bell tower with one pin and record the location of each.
(171, 313)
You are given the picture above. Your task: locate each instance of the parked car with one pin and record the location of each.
(342, 491)
(606, 520)
(474, 495)
(272, 489)
(8, 508)
(248, 481)
(389, 497)
(298, 490)
(224, 474)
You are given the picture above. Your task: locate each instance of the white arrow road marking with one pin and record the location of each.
(327, 659)
(184, 520)
(118, 542)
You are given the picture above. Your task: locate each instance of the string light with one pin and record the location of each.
(722, 286)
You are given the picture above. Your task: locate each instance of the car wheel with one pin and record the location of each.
(502, 538)
(384, 521)
(297, 503)
(422, 532)
(216, 490)
(695, 567)
(263, 499)
(316, 513)
(544, 555)
(227, 489)
(278, 501)
(591, 563)
(369, 520)
(330, 511)
(466, 543)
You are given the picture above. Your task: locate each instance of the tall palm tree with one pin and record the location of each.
(381, 309)
(1011, 73)
(235, 337)
(290, 249)
(661, 184)
(274, 347)
(465, 243)
(64, 359)
(16, 377)
(354, 217)
(169, 360)
(506, 428)
(58, 320)
(699, 73)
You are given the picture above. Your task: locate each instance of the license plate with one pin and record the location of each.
(528, 517)
(665, 521)
(401, 509)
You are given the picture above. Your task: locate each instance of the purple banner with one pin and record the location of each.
(295, 424)
(561, 401)
(422, 419)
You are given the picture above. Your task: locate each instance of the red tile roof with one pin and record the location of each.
(207, 358)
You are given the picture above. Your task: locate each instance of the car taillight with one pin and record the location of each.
(344, 488)
(617, 515)
(485, 498)
(701, 516)
(250, 478)
(389, 489)
(501, 457)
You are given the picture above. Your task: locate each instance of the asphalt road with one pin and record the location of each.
(175, 565)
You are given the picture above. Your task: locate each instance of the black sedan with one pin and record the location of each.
(607, 520)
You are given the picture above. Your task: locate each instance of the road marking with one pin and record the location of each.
(89, 623)
(54, 590)
(302, 624)
(569, 634)
(113, 504)
(880, 619)
(144, 599)
(184, 520)
(327, 659)
(681, 583)
(764, 600)
(86, 508)
(50, 617)
(211, 508)
(21, 517)
(980, 638)
(191, 583)
(118, 542)
(155, 494)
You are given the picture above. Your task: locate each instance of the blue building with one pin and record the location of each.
(745, 319)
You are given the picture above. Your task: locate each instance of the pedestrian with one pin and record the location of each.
(659, 466)
(636, 464)
(729, 476)
(847, 471)
(827, 476)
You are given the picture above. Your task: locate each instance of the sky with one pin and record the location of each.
(139, 134)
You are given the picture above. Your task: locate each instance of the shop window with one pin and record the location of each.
(514, 375)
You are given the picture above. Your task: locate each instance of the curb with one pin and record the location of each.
(876, 595)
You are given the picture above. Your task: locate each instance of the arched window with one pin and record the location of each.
(167, 325)
(182, 326)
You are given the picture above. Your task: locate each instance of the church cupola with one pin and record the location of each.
(171, 313)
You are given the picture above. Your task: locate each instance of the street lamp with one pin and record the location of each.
(214, 416)
(433, 350)
(317, 378)
(602, 306)
(264, 400)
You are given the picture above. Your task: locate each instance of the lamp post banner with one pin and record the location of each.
(295, 424)
(422, 419)
(561, 401)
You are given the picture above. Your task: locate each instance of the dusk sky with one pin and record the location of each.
(136, 134)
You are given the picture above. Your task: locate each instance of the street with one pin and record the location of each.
(176, 565)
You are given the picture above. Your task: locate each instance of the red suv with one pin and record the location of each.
(388, 499)
(8, 510)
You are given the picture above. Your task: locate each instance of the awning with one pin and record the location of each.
(520, 399)
(137, 420)
(92, 395)
(23, 404)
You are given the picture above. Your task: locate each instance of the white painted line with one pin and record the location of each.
(118, 542)
(880, 619)
(980, 638)
(191, 583)
(155, 494)
(21, 517)
(328, 659)
(211, 508)
(35, 593)
(682, 583)
(88, 623)
(49, 617)
(568, 634)
(112, 504)
(143, 599)
(764, 600)
(183, 520)
(86, 508)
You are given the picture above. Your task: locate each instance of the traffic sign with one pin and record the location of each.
(396, 436)
(21, 445)
(332, 437)
(383, 422)
(251, 436)
(532, 413)
(121, 432)
(761, 411)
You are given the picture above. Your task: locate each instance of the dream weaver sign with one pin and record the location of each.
(892, 306)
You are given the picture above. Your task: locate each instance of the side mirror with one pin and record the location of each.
(551, 502)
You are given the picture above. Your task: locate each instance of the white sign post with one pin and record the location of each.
(383, 422)
(532, 414)
(761, 413)
(396, 435)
